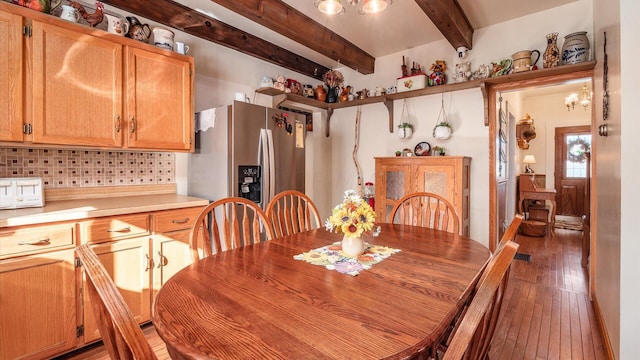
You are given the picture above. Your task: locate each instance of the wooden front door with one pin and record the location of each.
(571, 169)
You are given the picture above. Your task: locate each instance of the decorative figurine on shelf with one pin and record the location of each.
(438, 76)
(502, 68)
(44, 6)
(333, 79)
(137, 30)
(463, 72)
(483, 72)
(280, 83)
(321, 93)
(92, 19)
(344, 95)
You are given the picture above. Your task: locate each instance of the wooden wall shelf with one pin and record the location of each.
(514, 79)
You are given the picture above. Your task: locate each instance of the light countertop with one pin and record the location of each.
(69, 210)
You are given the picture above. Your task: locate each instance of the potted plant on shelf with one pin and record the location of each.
(442, 130)
(405, 130)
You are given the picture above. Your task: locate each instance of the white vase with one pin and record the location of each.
(442, 132)
(352, 246)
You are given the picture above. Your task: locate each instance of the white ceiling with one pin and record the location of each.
(403, 25)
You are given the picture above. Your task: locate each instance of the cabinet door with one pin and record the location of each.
(172, 254)
(393, 182)
(128, 264)
(160, 114)
(11, 82)
(38, 302)
(77, 88)
(437, 179)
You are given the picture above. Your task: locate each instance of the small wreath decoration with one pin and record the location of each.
(576, 150)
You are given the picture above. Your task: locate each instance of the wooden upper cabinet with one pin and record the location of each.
(159, 101)
(67, 84)
(77, 88)
(11, 77)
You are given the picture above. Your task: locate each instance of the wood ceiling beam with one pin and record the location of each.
(287, 21)
(450, 19)
(177, 16)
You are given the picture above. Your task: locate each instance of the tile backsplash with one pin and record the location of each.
(87, 168)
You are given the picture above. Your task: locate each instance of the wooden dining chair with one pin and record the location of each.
(121, 334)
(291, 212)
(427, 210)
(511, 232)
(472, 336)
(228, 224)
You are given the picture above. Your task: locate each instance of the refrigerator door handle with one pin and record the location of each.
(263, 159)
(272, 167)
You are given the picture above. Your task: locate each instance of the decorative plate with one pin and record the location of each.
(422, 149)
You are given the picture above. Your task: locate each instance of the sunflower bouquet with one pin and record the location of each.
(352, 217)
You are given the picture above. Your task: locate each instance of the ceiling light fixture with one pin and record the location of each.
(329, 7)
(335, 7)
(372, 6)
(571, 100)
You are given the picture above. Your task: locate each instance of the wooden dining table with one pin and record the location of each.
(258, 302)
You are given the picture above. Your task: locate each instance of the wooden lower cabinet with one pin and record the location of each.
(171, 242)
(44, 308)
(38, 305)
(139, 265)
(129, 264)
(447, 176)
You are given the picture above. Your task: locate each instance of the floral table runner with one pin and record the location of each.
(332, 258)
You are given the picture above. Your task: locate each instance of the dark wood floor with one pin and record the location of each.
(546, 315)
(546, 312)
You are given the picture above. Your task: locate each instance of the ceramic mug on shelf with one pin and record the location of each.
(163, 38)
(182, 48)
(116, 25)
(522, 60)
(69, 13)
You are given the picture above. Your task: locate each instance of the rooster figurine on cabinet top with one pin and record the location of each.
(94, 18)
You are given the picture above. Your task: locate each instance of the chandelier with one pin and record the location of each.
(572, 100)
(334, 7)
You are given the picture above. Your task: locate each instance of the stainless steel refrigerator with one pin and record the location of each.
(248, 151)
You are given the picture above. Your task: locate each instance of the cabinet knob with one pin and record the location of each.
(118, 123)
(180, 221)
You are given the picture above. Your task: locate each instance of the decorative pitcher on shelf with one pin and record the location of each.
(551, 56)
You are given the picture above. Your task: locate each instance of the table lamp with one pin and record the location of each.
(528, 160)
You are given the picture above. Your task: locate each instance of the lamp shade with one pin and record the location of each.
(529, 159)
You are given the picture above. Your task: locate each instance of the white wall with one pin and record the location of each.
(464, 108)
(220, 72)
(607, 183)
(629, 179)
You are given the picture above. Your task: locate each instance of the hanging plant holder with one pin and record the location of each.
(442, 130)
(405, 128)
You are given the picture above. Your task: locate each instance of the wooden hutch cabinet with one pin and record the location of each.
(447, 176)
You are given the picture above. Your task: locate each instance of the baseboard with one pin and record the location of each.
(604, 334)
